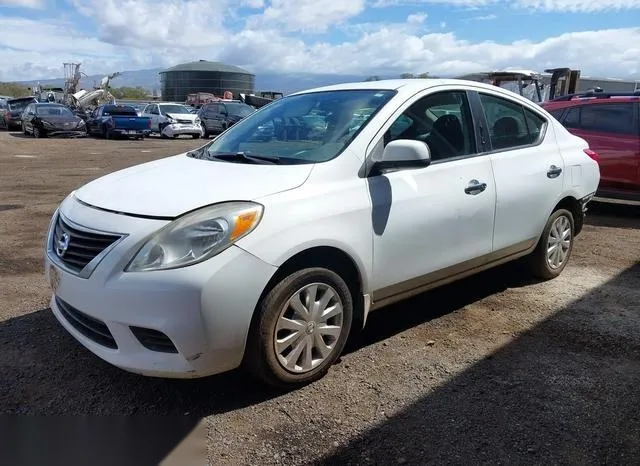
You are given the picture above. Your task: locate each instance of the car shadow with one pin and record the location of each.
(20, 135)
(603, 214)
(47, 371)
(563, 392)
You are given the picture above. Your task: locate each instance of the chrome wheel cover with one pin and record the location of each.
(308, 328)
(559, 242)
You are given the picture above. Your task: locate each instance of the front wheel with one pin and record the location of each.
(554, 248)
(37, 132)
(301, 328)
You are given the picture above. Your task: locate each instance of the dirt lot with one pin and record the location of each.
(493, 369)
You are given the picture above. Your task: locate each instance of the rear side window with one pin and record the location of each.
(572, 120)
(608, 118)
(557, 114)
(510, 124)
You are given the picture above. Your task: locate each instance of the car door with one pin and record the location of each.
(153, 113)
(612, 129)
(27, 116)
(93, 123)
(433, 222)
(527, 166)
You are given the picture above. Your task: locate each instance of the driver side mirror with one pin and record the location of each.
(402, 153)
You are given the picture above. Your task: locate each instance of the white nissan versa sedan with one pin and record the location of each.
(266, 246)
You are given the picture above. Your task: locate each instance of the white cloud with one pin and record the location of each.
(578, 5)
(135, 34)
(306, 15)
(483, 18)
(35, 4)
(540, 5)
(157, 23)
(416, 18)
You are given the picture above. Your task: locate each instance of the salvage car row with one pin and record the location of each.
(169, 120)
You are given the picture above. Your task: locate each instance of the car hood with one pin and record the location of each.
(60, 120)
(172, 186)
(183, 116)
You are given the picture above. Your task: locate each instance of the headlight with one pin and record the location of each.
(170, 120)
(197, 236)
(197, 121)
(46, 124)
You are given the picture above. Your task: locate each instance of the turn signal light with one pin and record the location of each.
(593, 154)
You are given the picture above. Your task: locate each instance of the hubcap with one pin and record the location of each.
(558, 242)
(308, 327)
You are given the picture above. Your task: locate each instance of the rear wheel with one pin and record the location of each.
(554, 248)
(301, 328)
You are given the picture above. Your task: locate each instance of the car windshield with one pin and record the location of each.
(173, 109)
(241, 110)
(53, 110)
(305, 128)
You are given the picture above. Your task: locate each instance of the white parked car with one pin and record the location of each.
(172, 120)
(265, 252)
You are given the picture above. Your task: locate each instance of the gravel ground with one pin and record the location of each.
(493, 369)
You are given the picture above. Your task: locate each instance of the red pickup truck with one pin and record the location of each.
(610, 123)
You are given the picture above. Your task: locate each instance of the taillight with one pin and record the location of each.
(593, 154)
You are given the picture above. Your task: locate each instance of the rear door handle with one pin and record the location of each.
(554, 172)
(475, 187)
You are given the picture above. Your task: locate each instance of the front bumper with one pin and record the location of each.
(65, 133)
(177, 129)
(183, 323)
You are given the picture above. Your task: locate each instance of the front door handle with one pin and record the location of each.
(554, 172)
(475, 187)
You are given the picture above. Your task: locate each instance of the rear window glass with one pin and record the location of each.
(122, 111)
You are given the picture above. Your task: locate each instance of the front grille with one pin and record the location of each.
(185, 122)
(154, 340)
(90, 327)
(81, 246)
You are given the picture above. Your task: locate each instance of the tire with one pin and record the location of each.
(261, 357)
(37, 133)
(160, 128)
(106, 133)
(541, 264)
(24, 130)
(195, 136)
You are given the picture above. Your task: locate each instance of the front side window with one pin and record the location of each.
(305, 128)
(511, 125)
(442, 120)
(608, 118)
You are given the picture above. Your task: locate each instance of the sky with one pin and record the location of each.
(362, 37)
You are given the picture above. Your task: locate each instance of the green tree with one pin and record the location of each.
(129, 92)
(407, 76)
(14, 90)
(373, 78)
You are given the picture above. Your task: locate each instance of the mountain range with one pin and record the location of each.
(150, 79)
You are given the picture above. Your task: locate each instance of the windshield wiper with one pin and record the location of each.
(244, 157)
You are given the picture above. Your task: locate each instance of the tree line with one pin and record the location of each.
(19, 90)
